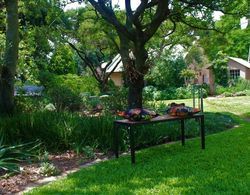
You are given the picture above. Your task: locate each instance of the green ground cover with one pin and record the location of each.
(223, 168)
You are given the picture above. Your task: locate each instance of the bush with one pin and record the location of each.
(49, 169)
(30, 103)
(63, 60)
(117, 100)
(151, 93)
(166, 72)
(236, 86)
(65, 90)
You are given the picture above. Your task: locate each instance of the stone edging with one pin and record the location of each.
(48, 180)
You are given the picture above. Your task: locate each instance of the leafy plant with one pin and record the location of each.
(88, 152)
(220, 69)
(63, 61)
(49, 169)
(165, 73)
(10, 156)
(151, 93)
(235, 86)
(60, 131)
(117, 100)
(44, 157)
(65, 90)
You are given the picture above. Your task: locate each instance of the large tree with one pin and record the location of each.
(141, 24)
(8, 68)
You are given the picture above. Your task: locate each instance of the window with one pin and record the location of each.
(234, 74)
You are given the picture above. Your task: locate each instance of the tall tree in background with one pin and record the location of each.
(232, 40)
(8, 68)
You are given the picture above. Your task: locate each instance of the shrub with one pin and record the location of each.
(171, 93)
(117, 100)
(220, 68)
(11, 156)
(240, 85)
(30, 104)
(227, 94)
(65, 90)
(63, 60)
(48, 169)
(166, 72)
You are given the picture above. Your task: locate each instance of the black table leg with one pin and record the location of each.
(202, 132)
(116, 140)
(132, 144)
(182, 132)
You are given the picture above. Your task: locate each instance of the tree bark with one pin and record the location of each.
(135, 92)
(103, 85)
(10, 59)
(134, 62)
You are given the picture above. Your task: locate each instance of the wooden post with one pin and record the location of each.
(193, 96)
(199, 97)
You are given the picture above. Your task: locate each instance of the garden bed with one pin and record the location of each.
(30, 173)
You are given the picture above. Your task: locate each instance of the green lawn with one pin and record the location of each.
(223, 168)
(235, 105)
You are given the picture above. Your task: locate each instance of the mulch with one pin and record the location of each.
(30, 172)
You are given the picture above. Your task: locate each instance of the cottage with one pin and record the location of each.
(237, 68)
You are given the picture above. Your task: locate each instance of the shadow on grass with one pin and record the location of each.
(170, 169)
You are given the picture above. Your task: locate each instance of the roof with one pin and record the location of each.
(116, 59)
(241, 61)
(238, 60)
(208, 66)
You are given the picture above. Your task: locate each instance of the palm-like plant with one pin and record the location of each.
(11, 156)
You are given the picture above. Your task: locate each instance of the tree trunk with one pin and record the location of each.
(103, 86)
(135, 92)
(10, 60)
(135, 69)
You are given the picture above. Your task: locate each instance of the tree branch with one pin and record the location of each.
(198, 27)
(162, 12)
(208, 5)
(110, 17)
(86, 60)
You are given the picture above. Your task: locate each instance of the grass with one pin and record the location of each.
(234, 105)
(222, 168)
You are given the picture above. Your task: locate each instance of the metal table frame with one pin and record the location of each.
(160, 119)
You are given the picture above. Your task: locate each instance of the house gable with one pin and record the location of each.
(239, 66)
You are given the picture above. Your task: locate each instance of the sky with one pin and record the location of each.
(135, 3)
